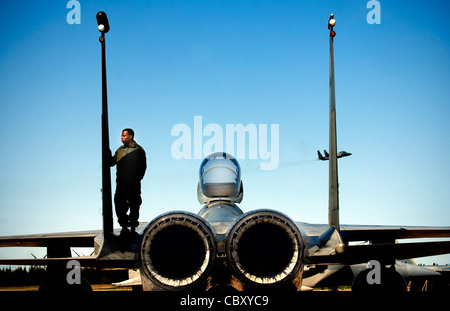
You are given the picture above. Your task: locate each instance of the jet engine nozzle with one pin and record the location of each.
(265, 248)
(220, 179)
(178, 252)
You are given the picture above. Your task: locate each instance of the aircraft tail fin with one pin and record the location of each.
(320, 155)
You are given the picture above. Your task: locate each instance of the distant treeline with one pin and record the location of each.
(29, 276)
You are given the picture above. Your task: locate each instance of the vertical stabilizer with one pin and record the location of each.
(103, 23)
(333, 196)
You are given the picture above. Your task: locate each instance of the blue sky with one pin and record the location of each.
(230, 62)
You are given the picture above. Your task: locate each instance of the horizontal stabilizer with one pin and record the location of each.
(86, 261)
(355, 254)
(321, 157)
(73, 239)
(380, 234)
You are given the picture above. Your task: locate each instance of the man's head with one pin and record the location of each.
(127, 136)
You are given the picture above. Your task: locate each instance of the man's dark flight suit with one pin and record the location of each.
(131, 165)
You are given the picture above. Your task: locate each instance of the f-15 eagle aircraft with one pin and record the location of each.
(223, 247)
(327, 156)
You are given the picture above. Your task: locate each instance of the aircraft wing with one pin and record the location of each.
(391, 233)
(58, 249)
(74, 239)
(383, 243)
(85, 261)
(51, 241)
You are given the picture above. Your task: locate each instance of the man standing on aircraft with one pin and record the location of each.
(131, 165)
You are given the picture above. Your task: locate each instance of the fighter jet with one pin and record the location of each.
(327, 156)
(222, 247)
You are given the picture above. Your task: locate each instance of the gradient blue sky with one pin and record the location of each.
(249, 62)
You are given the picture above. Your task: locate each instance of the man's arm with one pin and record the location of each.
(113, 159)
(142, 163)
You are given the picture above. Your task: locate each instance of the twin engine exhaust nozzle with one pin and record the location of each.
(263, 248)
